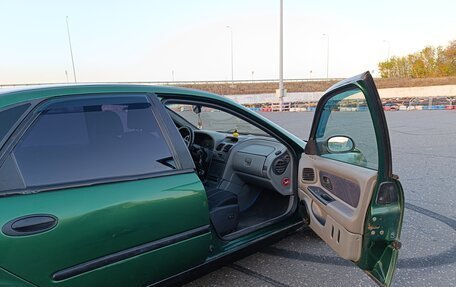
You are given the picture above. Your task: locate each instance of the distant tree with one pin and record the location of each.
(449, 59)
(429, 62)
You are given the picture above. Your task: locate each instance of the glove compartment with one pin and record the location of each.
(251, 159)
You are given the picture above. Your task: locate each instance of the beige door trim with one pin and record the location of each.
(343, 225)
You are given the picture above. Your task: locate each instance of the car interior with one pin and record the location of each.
(245, 171)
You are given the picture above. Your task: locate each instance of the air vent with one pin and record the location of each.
(232, 139)
(219, 147)
(227, 148)
(280, 166)
(308, 174)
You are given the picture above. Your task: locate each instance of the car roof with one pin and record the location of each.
(11, 96)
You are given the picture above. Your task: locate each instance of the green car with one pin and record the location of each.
(135, 185)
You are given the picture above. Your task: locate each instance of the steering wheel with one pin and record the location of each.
(187, 134)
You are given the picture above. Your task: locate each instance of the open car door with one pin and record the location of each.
(349, 196)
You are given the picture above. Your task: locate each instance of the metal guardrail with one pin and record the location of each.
(177, 83)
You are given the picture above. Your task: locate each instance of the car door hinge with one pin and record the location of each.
(371, 227)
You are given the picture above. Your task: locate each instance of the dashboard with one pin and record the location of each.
(244, 159)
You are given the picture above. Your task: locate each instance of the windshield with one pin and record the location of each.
(208, 118)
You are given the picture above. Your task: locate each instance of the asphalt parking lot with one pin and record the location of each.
(424, 156)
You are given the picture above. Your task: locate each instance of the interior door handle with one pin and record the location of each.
(326, 183)
(30, 224)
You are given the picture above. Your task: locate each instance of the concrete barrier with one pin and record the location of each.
(362, 109)
(419, 92)
(413, 92)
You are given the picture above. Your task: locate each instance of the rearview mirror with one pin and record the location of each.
(196, 109)
(340, 144)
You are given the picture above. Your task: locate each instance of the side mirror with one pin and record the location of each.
(340, 144)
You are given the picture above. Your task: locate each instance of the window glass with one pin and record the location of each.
(88, 139)
(208, 118)
(9, 117)
(347, 115)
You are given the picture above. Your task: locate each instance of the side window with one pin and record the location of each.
(94, 138)
(346, 132)
(213, 119)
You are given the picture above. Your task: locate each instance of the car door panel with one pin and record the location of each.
(7, 280)
(346, 190)
(130, 228)
(102, 220)
(352, 200)
(344, 236)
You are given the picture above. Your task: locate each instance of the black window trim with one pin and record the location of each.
(4, 141)
(172, 136)
(34, 112)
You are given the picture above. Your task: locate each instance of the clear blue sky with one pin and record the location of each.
(147, 40)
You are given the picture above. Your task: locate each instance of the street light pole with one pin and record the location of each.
(281, 89)
(327, 56)
(71, 50)
(232, 65)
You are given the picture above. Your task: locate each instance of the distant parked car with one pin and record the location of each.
(390, 107)
(131, 185)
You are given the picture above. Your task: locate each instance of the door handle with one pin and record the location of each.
(30, 224)
(326, 183)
